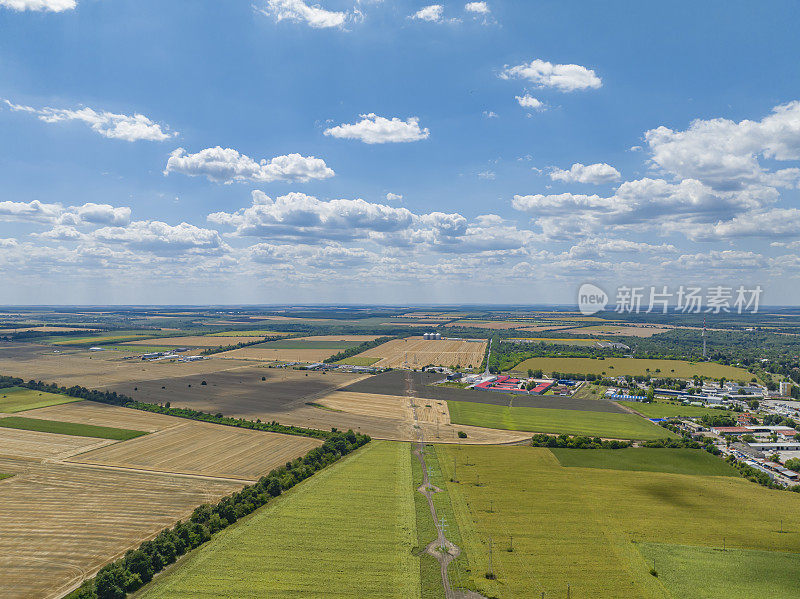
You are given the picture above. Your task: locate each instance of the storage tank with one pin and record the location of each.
(437, 336)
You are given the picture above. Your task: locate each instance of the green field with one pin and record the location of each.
(663, 409)
(547, 420)
(300, 344)
(248, 333)
(69, 428)
(581, 342)
(140, 349)
(348, 531)
(2, 475)
(584, 526)
(710, 572)
(634, 367)
(99, 339)
(359, 361)
(18, 399)
(674, 461)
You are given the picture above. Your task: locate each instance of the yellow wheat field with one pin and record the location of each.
(415, 352)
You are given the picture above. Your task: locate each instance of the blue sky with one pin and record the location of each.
(681, 122)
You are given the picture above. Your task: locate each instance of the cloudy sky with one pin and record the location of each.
(273, 151)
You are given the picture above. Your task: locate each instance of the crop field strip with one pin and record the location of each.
(36, 445)
(69, 428)
(562, 519)
(415, 351)
(62, 522)
(189, 341)
(203, 449)
(634, 367)
(348, 531)
(646, 459)
(271, 354)
(18, 399)
(555, 421)
(90, 412)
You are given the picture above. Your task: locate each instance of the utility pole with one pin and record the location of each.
(491, 570)
(511, 543)
(455, 479)
(568, 590)
(704, 337)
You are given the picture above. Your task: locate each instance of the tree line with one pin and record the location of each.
(356, 349)
(221, 348)
(576, 442)
(138, 566)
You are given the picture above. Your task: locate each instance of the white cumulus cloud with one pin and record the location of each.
(39, 5)
(595, 174)
(528, 101)
(225, 165)
(480, 8)
(374, 129)
(159, 236)
(394, 197)
(432, 13)
(299, 11)
(134, 127)
(563, 77)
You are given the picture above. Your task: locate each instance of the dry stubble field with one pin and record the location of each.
(203, 449)
(416, 351)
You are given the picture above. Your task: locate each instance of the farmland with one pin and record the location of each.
(644, 459)
(249, 333)
(563, 519)
(663, 409)
(203, 449)
(626, 331)
(18, 399)
(635, 367)
(547, 420)
(62, 522)
(348, 531)
(190, 341)
(417, 352)
(707, 572)
(557, 341)
(69, 428)
(359, 361)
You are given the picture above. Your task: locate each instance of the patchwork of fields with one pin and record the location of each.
(347, 532)
(634, 366)
(590, 527)
(417, 352)
(18, 399)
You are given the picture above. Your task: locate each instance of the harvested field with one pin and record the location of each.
(40, 446)
(18, 399)
(46, 329)
(546, 327)
(416, 352)
(61, 523)
(90, 412)
(308, 542)
(204, 449)
(267, 354)
(69, 428)
(96, 369)
(385, 406)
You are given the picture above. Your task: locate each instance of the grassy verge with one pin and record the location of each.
(430, 575)
(19, 399)
(663, 409)
(644, 459)
(546, 420)
(348, 531)
(710, 573)
(69, 428)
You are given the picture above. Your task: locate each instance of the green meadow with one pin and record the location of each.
(664, 409)
(19, 399)
(346, 532)
(547, 420)
(646, 459)
(635, 367)
(589, 528)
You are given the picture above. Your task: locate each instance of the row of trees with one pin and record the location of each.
(357, 349)
(577, 442)
(138, 566)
